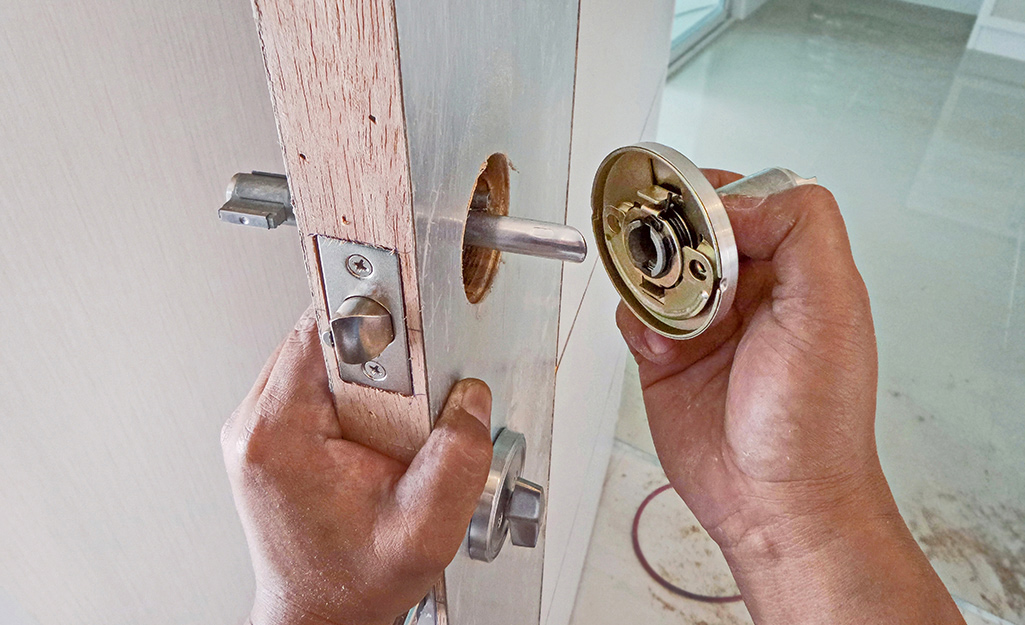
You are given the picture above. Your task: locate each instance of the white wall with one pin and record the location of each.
(131, 320)
(618, 93)
(1013, 10)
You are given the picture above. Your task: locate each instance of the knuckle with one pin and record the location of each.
(227, 429)
(257, 445)
(817, 194)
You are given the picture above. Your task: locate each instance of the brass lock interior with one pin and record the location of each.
(665, 239)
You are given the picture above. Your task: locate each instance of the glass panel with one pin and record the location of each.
(692, 20)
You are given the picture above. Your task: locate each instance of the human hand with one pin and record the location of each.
(765, 427)
(769, 415)
(340, 534)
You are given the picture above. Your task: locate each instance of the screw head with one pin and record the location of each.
(375, 371)
(359, 266)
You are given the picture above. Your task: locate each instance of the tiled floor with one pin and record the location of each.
(924, 147)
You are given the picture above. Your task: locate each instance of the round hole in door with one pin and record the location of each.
(491, 195)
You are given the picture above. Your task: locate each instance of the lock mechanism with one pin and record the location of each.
(510, 506)
(363, 292)
(665, 238)
(362, 283)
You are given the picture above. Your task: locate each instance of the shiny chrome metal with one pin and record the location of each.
(664, 236)
(367, 329)
(525, 236)
(258, 199)
(262, 200)
(508, 503)
(430, 611)
(526, 513)
(361, 329)
(359, 266)
(375, 371)
(765, 183)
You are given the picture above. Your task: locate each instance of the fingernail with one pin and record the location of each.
(658, 344)
(476, 400)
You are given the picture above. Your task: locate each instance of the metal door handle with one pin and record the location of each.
(262, 200)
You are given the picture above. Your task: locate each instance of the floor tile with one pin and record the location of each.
(616, 590)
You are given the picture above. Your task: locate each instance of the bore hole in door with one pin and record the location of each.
(490, 195)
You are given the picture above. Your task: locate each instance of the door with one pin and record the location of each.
(393, 117)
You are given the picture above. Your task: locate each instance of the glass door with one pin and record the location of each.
(694, 21)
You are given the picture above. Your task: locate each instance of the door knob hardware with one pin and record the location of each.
(525, 236)
(430, 611)
(525, 513)
(664, 236)
(262, 200)
(510, 506)
(361, 329)
(259, 199)
(367, 330)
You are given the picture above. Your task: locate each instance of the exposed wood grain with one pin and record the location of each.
(333, 70)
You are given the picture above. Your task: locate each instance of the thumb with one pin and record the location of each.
(440, 490)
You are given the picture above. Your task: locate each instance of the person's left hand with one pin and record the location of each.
(340, 534)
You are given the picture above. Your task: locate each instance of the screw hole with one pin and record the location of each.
(698, 270)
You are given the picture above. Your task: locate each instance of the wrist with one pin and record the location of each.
(793, 567)
(793, 521)
(273, 609)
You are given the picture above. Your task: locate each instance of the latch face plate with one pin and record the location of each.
(345, 274)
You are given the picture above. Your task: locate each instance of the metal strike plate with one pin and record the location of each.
(350, 269)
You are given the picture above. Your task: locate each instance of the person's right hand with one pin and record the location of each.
(765, 423)
(771, 411)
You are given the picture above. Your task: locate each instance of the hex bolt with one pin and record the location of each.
(526, 513)
(375, 371)
(359, 266)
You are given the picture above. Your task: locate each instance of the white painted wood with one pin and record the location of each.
(387, 111)
(618, 92)
(132, 320)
